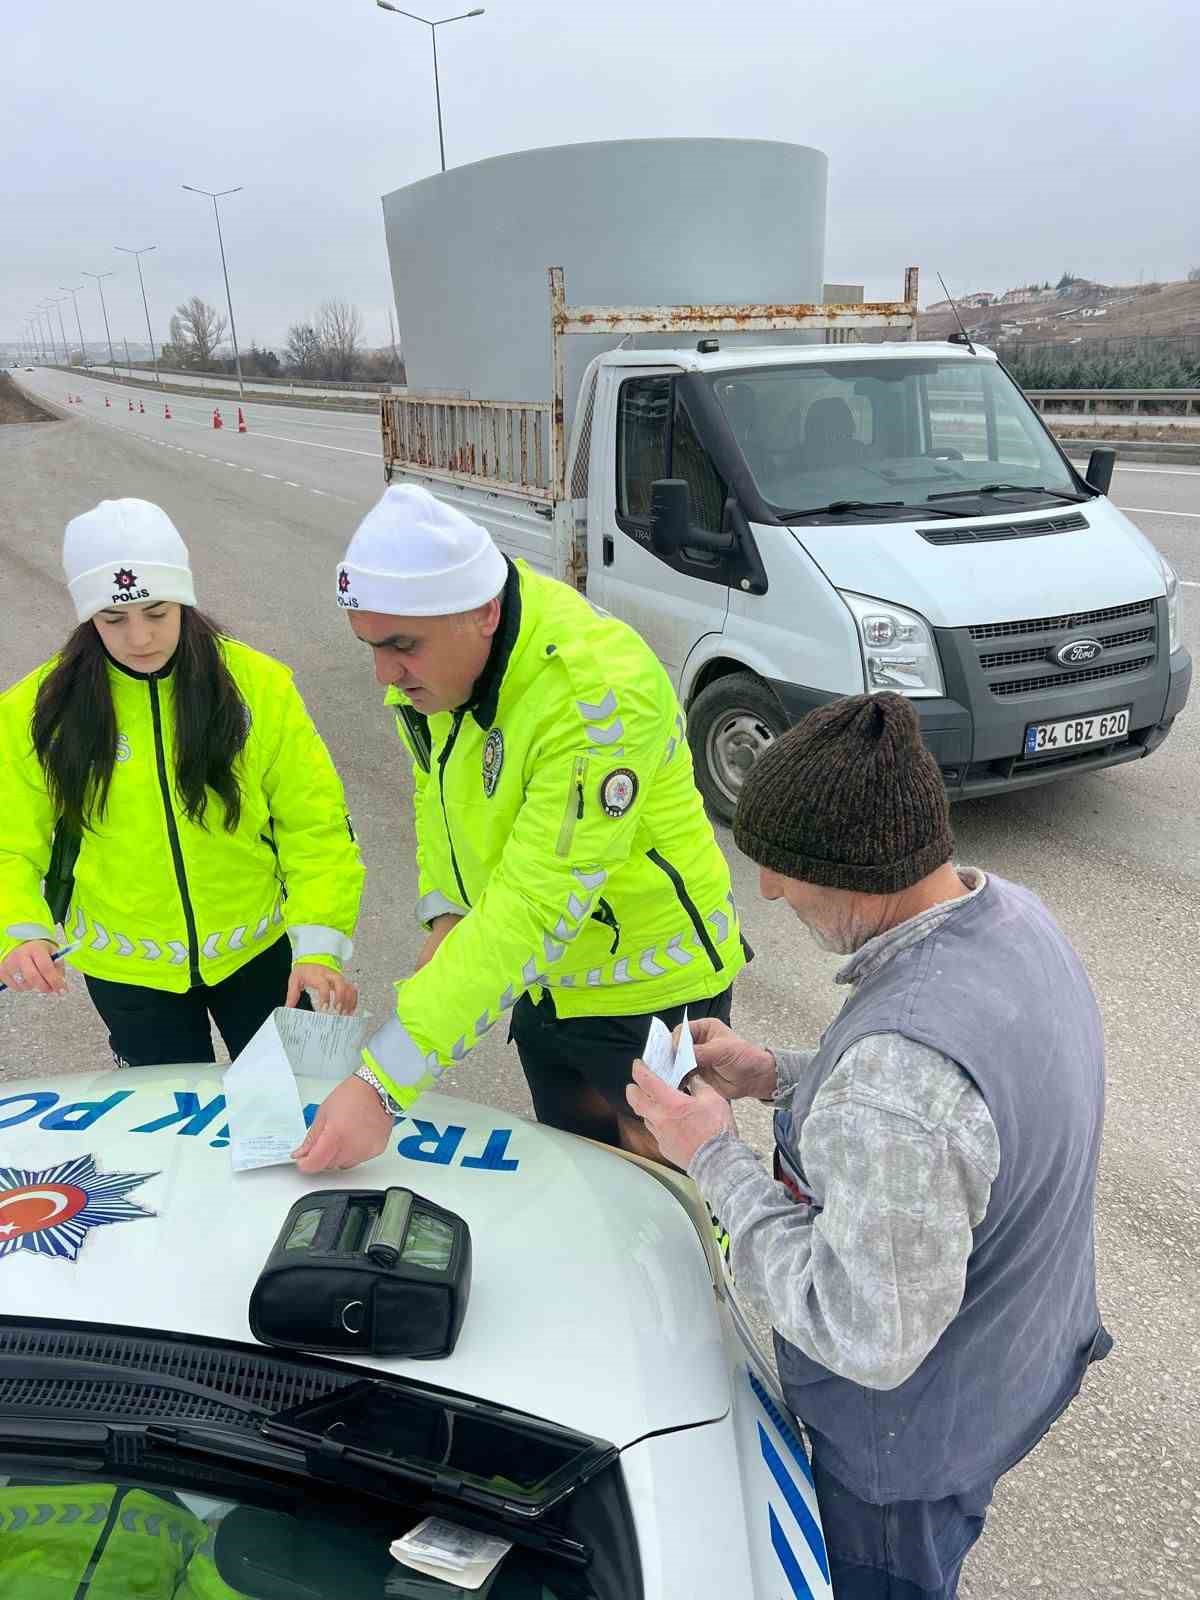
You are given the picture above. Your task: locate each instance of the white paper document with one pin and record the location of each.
(321, 1044)
(456, 1555)
(262, 1098)
(669, 1064)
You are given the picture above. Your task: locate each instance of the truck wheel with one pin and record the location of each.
(730, 724)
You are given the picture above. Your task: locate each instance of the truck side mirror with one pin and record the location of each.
(1100, 469)
(670, 509)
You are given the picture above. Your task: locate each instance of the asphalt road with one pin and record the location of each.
(1109, 1505)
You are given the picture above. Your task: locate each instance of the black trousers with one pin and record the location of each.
(577, 1068)
(152, 1028)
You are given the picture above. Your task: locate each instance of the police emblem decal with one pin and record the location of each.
(51, 1212)
(493, 760)
(618, 792)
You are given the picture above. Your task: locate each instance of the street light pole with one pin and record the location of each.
(50, 304)
(99, 277)
(78, 324)
(384, 5)
(45, 309)
(63, 331)
(220, 195)
(137, 256)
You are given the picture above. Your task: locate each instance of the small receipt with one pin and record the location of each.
(445, 1550)
(667, 1063)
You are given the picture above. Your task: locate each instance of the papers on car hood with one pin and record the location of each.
(266, 1121)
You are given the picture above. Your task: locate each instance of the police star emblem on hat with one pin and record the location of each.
(125, 579)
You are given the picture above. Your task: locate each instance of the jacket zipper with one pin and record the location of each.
(606, 917)
(689, 905)
(442, 760)
(574, 807)
(417, 726)
(189, 915)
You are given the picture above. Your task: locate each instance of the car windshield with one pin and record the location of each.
(942, 435)
(131, 1465)
(70, 1535)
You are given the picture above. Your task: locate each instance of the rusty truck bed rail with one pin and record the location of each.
(522, 445)
(493, 442)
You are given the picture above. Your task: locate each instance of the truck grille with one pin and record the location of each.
(1015, 658)
(986, 532)
(1116, 669)
(1125, 649)
(1077, 619)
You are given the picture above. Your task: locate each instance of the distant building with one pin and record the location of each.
(981, 299)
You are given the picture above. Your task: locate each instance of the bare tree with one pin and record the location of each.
(303, 349)
(339, 329)
(198, 329)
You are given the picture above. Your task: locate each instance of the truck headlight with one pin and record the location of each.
(898, 648)
(1174, 606)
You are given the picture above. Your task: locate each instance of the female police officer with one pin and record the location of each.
(214, 867)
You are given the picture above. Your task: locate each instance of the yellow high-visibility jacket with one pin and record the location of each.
(164, 902)
(127, 1544)
(559, 812)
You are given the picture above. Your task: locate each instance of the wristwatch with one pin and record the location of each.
(389, 1105)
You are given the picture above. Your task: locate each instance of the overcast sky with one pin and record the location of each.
(996, 144)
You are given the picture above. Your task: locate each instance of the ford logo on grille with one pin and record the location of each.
(1078, 652)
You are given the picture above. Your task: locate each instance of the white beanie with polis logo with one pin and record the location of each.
(124, 551)
(414, 556)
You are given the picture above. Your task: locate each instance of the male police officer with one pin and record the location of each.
(568, 874)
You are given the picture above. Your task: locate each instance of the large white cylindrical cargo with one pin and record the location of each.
(632, 222)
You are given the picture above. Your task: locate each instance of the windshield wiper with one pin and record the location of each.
(838, 508)
(1010, 488)
(58, 1369)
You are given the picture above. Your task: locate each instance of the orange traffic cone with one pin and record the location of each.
(217, 423)
(131, 405)
(142, 407)
(166, 413)
(242, 421)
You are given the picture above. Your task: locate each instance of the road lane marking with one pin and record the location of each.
(1154, 511)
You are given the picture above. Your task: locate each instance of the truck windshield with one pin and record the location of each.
(952, 433)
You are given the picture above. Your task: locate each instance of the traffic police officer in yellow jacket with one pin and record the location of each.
(203, 859)
(569, 877)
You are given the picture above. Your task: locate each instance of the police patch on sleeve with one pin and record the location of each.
(618, 792)
(493, 760)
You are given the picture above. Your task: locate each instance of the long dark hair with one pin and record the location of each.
(74, 725)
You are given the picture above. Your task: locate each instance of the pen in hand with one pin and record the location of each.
(56, 955)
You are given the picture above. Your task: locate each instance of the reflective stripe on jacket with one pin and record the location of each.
(164, 902)
(103, 1543)
(560, 813)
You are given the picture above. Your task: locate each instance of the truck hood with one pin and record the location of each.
(591, 1302)
(965, 585)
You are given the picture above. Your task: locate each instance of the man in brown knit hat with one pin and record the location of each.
(924, 1249)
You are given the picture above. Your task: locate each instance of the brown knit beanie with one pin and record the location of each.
(850, 798)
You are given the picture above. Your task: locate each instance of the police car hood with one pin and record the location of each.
(591, 1303)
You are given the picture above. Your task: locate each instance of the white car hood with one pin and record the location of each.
(966, 585)
(591, 1302)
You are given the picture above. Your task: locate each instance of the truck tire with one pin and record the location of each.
(730, 724)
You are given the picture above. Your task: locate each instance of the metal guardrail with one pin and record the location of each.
(1118, 402)
(367, 390)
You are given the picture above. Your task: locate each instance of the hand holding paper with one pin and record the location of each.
(671, 1063)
